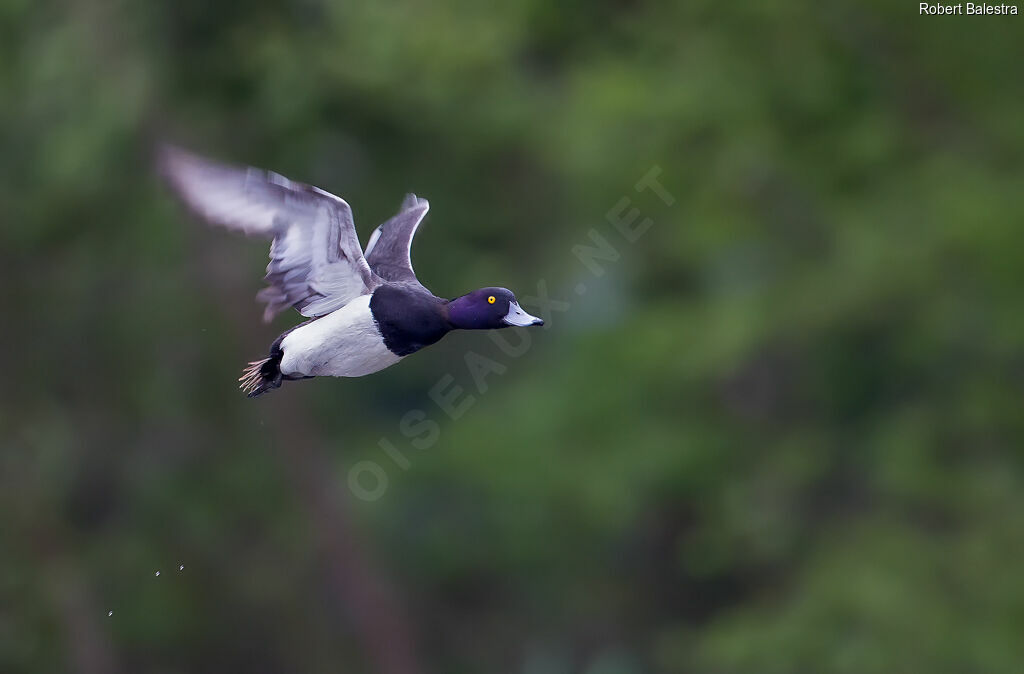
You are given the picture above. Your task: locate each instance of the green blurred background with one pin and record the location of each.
(781, 433)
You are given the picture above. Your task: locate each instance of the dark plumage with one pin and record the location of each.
(409, 317)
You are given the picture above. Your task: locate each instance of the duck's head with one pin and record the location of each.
(488, 308)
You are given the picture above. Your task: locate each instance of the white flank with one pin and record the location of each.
(345, 343)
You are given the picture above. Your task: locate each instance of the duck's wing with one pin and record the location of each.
(316, 263)
(388, 251)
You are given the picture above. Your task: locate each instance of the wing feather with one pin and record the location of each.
(389, 252)
(316, 263)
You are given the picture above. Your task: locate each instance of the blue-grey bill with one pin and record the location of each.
(516, 316)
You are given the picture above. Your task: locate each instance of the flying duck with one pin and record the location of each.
(365, 313)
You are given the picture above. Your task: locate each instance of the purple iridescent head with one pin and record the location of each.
(488, 308)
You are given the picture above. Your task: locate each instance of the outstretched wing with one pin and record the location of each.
(388, 252)
(316, 263)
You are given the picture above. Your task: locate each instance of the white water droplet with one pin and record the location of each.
(157, 573)
(110, 613)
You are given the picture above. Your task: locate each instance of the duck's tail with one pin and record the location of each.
(265, 374)
(262, 375)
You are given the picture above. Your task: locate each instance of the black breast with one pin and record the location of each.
(408, 316)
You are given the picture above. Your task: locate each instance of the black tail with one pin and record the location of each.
(262, 375)
(265, 375)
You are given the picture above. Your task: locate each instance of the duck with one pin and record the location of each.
(365, 311)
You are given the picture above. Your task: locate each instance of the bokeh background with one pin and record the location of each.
(781, 433)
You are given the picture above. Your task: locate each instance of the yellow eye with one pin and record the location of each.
(490, 300)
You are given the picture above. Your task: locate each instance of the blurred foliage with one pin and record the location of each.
(782, 433)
